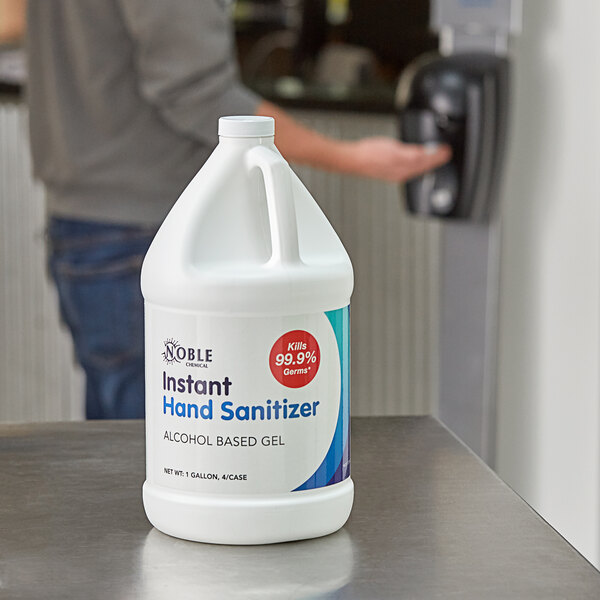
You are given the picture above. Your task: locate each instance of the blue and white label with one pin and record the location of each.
(247, 405)
(336, 464)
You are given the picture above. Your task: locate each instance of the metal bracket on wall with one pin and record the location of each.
(470, 254)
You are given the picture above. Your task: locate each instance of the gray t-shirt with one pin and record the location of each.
(124, 99)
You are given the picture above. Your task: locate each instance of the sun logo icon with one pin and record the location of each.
(170, 352)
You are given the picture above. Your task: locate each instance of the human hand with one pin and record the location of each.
(388, 159)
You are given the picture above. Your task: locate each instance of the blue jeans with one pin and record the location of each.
(96, 268)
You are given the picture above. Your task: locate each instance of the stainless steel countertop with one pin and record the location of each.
(429, 521)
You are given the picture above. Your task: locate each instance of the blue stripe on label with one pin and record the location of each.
(336, 464)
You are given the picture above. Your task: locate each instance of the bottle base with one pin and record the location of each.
(247, 520)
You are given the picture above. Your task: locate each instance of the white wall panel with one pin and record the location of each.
(549, 385)
(38, 379)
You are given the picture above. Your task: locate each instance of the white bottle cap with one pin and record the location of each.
(246, 126)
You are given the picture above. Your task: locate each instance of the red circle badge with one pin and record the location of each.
(295, 358)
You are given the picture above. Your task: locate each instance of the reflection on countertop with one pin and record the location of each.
(293, 92)
(287, 91)
(266, 572)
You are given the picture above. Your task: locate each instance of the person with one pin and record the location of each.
(124, 98)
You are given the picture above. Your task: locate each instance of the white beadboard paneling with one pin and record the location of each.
(394, 307)
(38, 379)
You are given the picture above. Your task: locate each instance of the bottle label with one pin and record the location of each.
(247, 405)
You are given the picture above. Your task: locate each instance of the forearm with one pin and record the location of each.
(12, 20)
(377, 157)
(302, 145)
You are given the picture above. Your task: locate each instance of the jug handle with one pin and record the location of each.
(280, 204)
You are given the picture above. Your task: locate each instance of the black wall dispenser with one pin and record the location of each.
(460, 100)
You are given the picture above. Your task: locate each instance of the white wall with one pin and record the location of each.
(549, 392)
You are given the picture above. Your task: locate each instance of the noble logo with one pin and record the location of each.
(170, 352)
(174, 352)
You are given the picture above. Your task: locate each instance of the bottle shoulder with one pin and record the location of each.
(258, 290)
(216, 250)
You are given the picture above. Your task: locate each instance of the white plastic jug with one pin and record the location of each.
(247, 290)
